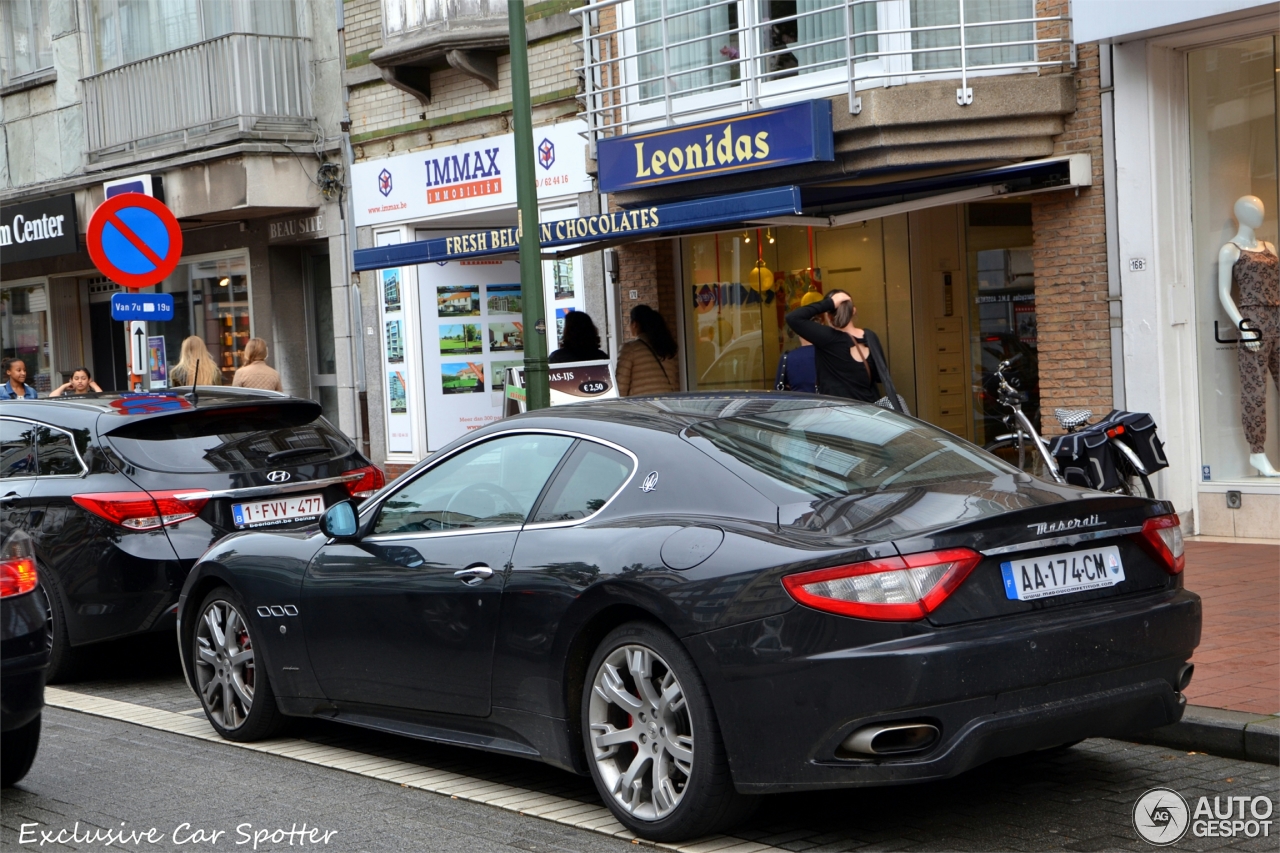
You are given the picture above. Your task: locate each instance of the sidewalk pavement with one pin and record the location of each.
(1233, 701)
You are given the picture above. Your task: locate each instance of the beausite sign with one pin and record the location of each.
(786, 136)
(453, 179)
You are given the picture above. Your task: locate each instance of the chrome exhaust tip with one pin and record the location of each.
(895, 739)
(1184, 676)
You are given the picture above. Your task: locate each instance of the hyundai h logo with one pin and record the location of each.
(279, 476)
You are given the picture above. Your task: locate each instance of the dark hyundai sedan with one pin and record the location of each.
(696, 599)
(120, 494)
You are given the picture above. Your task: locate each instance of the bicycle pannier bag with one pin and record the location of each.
(1085, 459)
(1140, 435)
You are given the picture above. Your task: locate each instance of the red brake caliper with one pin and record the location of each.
(245, 645)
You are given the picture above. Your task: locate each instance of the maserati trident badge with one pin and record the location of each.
(650, 482)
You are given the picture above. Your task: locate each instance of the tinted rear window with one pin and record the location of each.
(239, 441)
(799, 455)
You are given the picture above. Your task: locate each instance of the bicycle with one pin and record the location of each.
(1012, 446)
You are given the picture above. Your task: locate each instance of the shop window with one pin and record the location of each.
(24, 332)
(1003, 316)
(740, 286)
(27, 45)
(1232, 119)
(211, 300)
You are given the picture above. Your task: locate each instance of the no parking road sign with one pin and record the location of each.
(134, 240)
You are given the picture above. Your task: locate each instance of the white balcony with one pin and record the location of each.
(237, 86)
(654, 63)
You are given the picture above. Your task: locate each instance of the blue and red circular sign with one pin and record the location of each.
(134, 240)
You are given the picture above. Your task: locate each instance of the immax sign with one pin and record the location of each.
(450, 179)
(38, 229)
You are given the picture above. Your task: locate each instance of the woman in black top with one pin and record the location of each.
(579, 341)
(850, 360)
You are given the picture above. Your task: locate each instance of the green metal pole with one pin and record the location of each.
(537, 393)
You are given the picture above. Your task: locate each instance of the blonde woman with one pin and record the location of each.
(195, 364)
(256, 373)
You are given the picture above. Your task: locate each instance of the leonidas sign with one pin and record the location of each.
(38, 229)
(800, 133)
(476, 175)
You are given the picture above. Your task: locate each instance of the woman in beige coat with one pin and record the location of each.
(647, 365)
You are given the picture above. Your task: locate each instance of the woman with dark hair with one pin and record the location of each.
(850, 360)
(647, 365)
(81, 383)
(579, 341)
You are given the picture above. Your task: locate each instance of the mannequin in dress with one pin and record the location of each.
(1253, 266)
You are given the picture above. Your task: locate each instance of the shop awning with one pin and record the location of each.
(591, 233)
(825, 206)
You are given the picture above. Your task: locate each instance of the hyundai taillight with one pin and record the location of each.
(893, 589)
(142, 510)
(371, 479)
(1161, 537)
(17, 576)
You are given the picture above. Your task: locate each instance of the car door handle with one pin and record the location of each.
(474, 575)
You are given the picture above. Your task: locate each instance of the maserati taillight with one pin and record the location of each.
(141, 510)
(370, 481)
(1161, 537)
(895, 589)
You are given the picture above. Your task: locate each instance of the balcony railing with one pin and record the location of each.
(237, 85)
(653, 63)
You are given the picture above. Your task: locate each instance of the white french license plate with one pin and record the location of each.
(282, 509)
(1059, 574)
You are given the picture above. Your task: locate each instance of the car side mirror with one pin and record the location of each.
(339, 521)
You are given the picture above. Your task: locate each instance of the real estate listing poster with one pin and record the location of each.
(472, 330)
(395, 346)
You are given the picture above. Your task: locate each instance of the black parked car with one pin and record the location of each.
(120, 494)
(24, 652)
(698, 598)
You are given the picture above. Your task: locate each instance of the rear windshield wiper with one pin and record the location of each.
(295, 451)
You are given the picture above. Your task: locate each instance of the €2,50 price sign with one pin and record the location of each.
(134, 240)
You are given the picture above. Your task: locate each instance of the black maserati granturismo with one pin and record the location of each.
(699, 599)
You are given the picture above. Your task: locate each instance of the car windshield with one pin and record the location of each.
(795, 455)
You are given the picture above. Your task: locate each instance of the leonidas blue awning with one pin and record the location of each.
(828, 206)
(592, 232)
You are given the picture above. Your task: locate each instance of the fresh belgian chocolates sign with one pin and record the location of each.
(799, 133)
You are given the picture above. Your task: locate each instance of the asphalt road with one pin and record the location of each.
(106, 774)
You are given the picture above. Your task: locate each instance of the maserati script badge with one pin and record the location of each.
(1070, 524)
(650, 482)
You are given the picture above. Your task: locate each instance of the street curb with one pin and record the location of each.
(1229, 734)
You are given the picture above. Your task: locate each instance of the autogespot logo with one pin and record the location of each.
(1161, 816)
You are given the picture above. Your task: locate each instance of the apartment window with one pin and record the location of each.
(27, 45)
(128, 30)
(693, 42)
(991, 13)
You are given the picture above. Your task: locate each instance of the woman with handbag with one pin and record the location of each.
(850, 360)
(647, 365)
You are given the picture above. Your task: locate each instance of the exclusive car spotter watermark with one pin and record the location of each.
(183, 836)
(1162, 817)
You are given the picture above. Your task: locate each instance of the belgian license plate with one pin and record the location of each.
(278, 511)
(1059, 574)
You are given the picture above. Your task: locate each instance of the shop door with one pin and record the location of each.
(110, 361)
(321, 344)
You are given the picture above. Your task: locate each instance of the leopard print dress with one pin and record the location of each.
(1257, 275)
